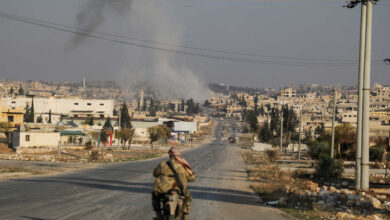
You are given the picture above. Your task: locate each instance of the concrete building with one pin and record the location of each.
(288, 93)
(70, 107)
(12, 115)
(349, 117)
(35, 139)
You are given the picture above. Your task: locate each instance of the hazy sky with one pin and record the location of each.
(311, 31)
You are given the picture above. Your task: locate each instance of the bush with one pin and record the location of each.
(328, 167)
(94, 156)
(272, 155)
(88, 145)
(317, 148)
(376, 154)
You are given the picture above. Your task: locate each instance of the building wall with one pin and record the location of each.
(16, 113)
(62, 106)
(31, 139)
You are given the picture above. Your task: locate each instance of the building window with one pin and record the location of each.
(13, 102)
(101, 104)
(27, 137)
(76, 103)
(10, 118)
(89, 104)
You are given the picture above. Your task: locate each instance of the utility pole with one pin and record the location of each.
(299, 140)
(281, 129)
(366, 101)
(59, 148)
(360, 103)
(363, 138)
(333, 122)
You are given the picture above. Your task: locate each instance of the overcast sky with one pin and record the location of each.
(310, 31)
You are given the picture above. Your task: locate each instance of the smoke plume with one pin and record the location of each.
(154, 20)
(92, 15)
(162, 72)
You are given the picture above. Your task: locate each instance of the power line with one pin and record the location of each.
(109, 37)
(181, 46)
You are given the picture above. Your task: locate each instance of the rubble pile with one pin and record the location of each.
(348, 204)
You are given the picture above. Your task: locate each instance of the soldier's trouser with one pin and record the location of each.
(156, 201)
(187, 202)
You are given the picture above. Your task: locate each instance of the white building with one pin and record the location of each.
(70, 107)
(35, 139)
(349, 117)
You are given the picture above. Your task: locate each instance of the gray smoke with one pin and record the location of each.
(92, 15)
(162, 72)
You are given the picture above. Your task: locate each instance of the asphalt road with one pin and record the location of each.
(123, 191)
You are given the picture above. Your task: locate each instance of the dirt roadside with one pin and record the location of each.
(305, 197)
(44, 161)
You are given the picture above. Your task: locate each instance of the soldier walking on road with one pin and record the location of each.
(165, 181)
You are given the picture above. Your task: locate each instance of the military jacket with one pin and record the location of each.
(165, 178)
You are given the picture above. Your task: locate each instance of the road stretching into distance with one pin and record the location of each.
(123, 190)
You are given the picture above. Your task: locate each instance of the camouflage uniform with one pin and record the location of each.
(166, 181)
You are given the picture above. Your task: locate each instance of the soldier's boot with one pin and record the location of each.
(185, 217)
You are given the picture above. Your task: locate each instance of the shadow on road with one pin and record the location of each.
(33, 218)
(203, 193)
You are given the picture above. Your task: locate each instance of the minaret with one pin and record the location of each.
(141, 98)
(84, 83)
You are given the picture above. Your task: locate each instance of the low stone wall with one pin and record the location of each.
(33, 150)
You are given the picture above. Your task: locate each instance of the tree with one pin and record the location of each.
(171, 106)
(261, 110)
(152, 108)
(265, 133)
(206, 103)
(127, 135)
(345, 138)
(5, 127)
(251, 119)
(320, 130)
(197, 108)
(182, 105)
(107, 124)
(26, 116)
(255, 100)
(32, 114)
(11, 91)
(166, 133)
(125, 118)
(49, 121)
(275, 121)
(21, 90)
(106, 127)
(29, 115)
(155, 133)
(39, 119)
(144, 106)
